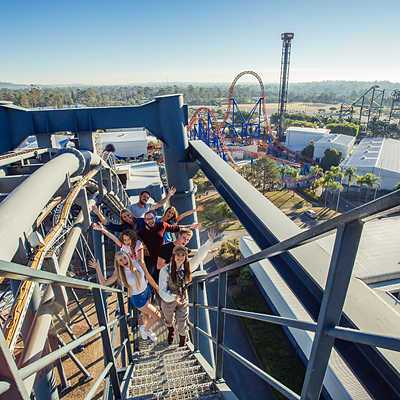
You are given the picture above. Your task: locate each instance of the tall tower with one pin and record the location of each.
(284, 82)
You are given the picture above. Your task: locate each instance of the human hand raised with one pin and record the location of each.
(212, 234)
(97, 226)
(93, 263)
(171, 191)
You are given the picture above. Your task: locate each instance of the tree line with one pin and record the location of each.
(329, 92)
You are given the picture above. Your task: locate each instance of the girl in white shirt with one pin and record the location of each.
(129, 244)
(136, 279)
(173, 282)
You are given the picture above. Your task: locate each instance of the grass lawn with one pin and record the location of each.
(215, 212)
(274, 352)
(292, 203)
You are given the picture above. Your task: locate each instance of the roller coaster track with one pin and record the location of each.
(17, 315)
(15, 156)
(262, 97)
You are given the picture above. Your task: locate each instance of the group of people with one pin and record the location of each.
(153, 262)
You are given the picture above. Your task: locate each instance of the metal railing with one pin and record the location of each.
(14, 385)
(348, 228)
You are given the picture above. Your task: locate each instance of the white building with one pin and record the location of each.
(128, 143)
(380, 156)
(139, 176)
(341, 143)
(297, 137)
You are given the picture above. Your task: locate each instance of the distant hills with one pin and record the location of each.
(327, 92)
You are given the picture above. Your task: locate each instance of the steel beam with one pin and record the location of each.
(9, 375)
(20, 209)
(20, 156)
(342, 263)
(172, 119)
(269, 226)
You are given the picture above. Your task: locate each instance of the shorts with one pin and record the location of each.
(140, 300)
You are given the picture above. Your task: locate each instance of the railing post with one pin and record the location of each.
(195, 314)
(340, 270)
(124, 326)
(107, 345)
(222, 289)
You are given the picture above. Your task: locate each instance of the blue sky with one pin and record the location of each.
(131, 41)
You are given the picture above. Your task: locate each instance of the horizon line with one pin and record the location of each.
(72, 84)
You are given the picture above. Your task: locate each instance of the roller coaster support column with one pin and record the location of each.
(172, 121)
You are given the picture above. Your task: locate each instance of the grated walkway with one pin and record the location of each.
(169, 373)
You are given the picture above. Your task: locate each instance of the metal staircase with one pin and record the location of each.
(170, 373)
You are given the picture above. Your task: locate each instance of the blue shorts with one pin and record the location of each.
(140, 300)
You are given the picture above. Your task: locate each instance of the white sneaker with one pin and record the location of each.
(143, 332)
(152, 336)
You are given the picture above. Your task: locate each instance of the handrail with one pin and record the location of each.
(31, 275)
(12, 270)
(25, 291)
(43, 362)
(374, 209)
(349, 229)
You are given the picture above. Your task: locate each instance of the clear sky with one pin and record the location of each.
(133, 41)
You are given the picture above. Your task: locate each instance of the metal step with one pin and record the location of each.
(170, 373)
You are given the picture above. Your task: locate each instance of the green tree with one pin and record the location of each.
(332, 157)
(266, 174)
(308, 151)
(397, 187)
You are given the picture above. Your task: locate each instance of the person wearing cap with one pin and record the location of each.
(173, 282)
(143, 205)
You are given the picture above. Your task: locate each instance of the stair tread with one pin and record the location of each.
(169, 373)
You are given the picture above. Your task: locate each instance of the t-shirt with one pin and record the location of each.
(135, 286)
(166, 252)
(125, 226)
(153, 238)
(138, 211)
(127, 249)
(168, 236)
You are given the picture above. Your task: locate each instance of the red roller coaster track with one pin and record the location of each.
(218, 128)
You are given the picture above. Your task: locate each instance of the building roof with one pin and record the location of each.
(335, 138)
(322, 131)
(378, 257)
(124, 136)
(141, 175)
(376, 153)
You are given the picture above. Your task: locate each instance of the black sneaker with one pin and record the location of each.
(170, 337)
(182, 340)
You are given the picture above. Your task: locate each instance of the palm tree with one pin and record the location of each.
(327, 182)
(371, 180)
(360, 182)
(337, 176)
(350, 173)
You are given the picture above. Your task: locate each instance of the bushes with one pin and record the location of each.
(345, 128)
(302, 123)
(229, 251)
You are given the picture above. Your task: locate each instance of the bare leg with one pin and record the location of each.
(150, 315)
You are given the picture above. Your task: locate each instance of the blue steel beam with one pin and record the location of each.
(17, 123)
(260, 218)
